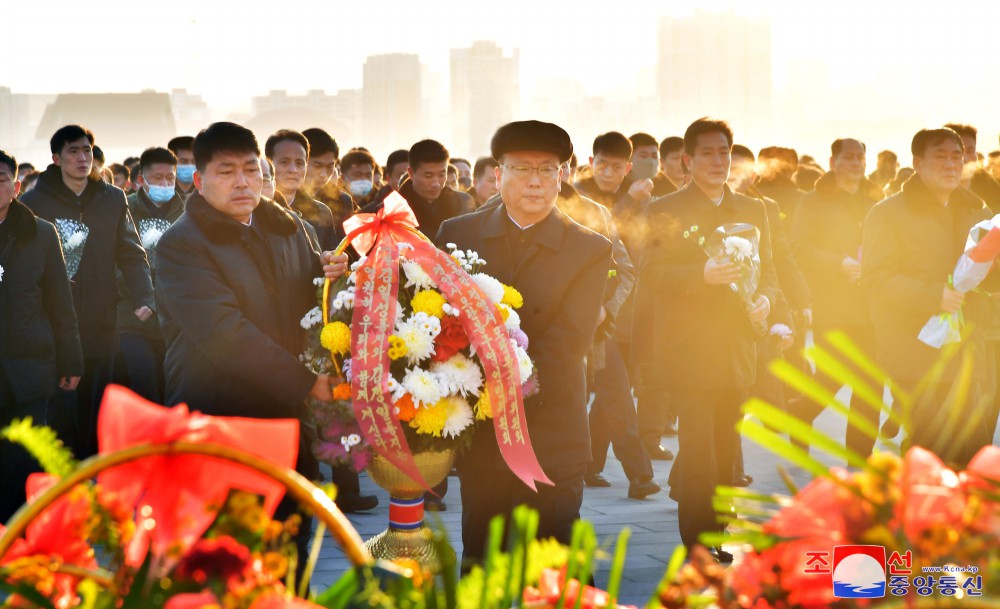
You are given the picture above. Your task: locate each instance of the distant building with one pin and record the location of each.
(484, 94)
(716, 64)
(191, 113)
(391, 101)
(123, 123)
(338, 114)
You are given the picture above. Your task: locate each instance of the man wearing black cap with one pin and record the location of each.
(560, 268)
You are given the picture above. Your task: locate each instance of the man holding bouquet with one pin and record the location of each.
(560, 268)
(700, 345)
(911, 242)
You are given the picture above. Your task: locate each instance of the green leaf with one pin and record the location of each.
(775, 418)
(43, 444)
(618, 563)
(781, 447)
(27, 592)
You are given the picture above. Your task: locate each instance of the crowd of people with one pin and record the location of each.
(183, 274)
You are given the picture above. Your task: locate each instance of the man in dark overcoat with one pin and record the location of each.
(98, 236)
(234, 278)
(39, 342)
(693, 333)
(911, 242)
(560, 268)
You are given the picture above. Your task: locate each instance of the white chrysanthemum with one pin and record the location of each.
(450, 310)
(416, 276)
(492, 287)
(459, 417)
(345, 368)
(150, 237)
(423, 386)
(461, 374)
(344, 299)
(781, 330)
(419, 342)
(738, 248)
(353, 277)
(319, 281)
(524, 365)
(312, 318)
(451, 246)
(76, 240)
(428, 323)
(513, 321)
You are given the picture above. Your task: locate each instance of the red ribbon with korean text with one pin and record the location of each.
(377, 280)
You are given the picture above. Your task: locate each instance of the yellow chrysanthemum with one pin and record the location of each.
(397, 347)
(504, 311)
(512, 298)
(483, 408)
(336, 338)
(430, 302)
(430, 420)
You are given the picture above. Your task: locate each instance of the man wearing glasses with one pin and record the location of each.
(560, 268)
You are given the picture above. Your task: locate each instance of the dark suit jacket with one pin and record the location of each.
(561, 277)
(688, 334)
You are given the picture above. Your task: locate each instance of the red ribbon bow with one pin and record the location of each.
(364, 229)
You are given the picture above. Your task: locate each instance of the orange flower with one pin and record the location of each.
(342, 392)
(406, 408)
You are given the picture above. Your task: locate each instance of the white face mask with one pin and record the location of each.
(359, 188)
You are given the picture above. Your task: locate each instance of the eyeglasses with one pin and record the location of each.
(523, 172)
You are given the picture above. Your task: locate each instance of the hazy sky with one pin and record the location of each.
(878, 58)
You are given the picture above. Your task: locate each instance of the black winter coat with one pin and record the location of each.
(561, 276)
(827, 229)
(231, 317)
(686, 333)
(145, 214)
(39, 342)
(320, 218)
(112, 242)
(911, 243)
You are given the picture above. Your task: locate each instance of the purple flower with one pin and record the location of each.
(530, 386)
(520, 338)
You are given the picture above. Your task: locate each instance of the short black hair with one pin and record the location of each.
(151, 156)
(99, 154)
(613, 144)
(427, 151)
(120, 169)
(9, 161)
(321, 142)
(283, 135)
(396, 157)
(483, 164)
(461, 160)
(222, 137)
(452, 170)
(67, 134)
(22, 166)
(671, 144)
(181, 142)
(742, 151)
(963, 130)
(642, 139)
(130, 160)
(925, 138)
(705, 125)
(838, 145)
(357, 156)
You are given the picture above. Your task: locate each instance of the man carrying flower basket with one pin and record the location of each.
(700, 344)
(560, 268)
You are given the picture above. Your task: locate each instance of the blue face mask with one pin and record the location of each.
(185, 174)
(360, 188)
(159, 194)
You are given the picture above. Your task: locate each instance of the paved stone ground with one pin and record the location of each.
(653, 521)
